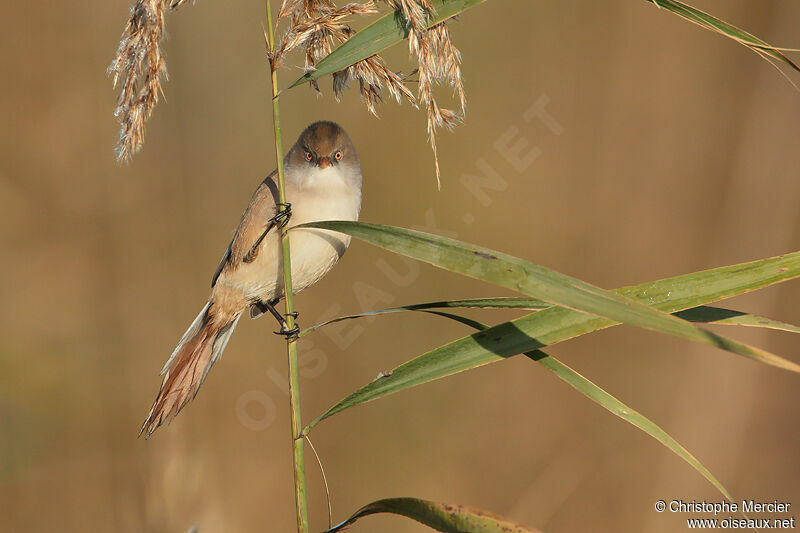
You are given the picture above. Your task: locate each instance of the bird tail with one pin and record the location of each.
(187, 367)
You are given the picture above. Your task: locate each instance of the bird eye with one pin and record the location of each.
(337, 155)
(309, 156)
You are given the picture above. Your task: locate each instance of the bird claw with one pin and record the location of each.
(283, 214)
(291, 334)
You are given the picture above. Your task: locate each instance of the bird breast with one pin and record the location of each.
(328, 194)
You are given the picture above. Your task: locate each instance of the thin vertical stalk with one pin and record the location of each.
(301, 504)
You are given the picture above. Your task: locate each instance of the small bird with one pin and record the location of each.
(323, 182)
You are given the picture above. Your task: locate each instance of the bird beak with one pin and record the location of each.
(324, 162)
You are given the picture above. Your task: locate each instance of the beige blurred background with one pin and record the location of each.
(665, 149)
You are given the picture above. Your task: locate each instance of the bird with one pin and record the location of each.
(322, 182)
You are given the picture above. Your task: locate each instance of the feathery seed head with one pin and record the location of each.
(316, 25)
(138, 68)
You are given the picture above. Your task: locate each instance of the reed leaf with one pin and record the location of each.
(616, 407)
(613, 405)
(439, 516)
(709, 22)
(703, 314)
(557, 324)
(729, 317)
(475, 303)
(554, 325)
(539, 282)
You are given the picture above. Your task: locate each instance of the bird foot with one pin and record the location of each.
(291, 334)
(283, 214)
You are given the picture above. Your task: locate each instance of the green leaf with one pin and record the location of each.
(729, 317)
(616, 407)
(703, 314)
(458, 318)
(590, 389)
(539, 282)
(388, 30)
(476, 303)
(716, 25)
(439, 516)
(556, 324)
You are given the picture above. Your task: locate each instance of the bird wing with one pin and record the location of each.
(255, 224)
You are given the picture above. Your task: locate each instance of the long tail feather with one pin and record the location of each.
(186, 369)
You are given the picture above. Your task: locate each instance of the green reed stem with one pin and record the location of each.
(301, 505)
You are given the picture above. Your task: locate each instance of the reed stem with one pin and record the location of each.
(301, 505)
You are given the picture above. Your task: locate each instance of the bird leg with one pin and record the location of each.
(280, 219)
(286, 331)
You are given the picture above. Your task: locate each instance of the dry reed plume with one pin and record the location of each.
(315, 26)
(139, 66)
(439, 63)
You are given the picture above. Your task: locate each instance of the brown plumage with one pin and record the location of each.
(197, 352)
(323, 182)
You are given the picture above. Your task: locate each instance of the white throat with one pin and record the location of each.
(332, 193)
(313, 177)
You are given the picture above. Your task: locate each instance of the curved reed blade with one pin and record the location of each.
(597, 395)
(716, 25)
(729, 317)
(475, 303)
(613, 405)
(439, 516)
(616, 407)
(542, 283)
(703, 314)
(557, 324)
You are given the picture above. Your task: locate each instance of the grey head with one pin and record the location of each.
(324, 145)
